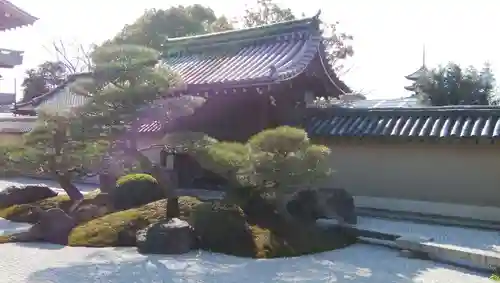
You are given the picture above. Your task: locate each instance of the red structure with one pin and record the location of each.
(252, 79)
(11, 17)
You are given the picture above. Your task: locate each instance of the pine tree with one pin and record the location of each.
(53, 147)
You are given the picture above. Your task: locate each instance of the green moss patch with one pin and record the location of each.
(119, 228)
(223, 228)
(22, 212)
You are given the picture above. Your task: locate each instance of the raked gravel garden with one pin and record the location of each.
(37, 262)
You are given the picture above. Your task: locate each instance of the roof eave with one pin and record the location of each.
(240, 34)
(25, 17)
(422, 71)
(39, 99)
(340, 85)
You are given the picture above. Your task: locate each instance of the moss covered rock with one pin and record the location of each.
(223, 228)
(134, 190)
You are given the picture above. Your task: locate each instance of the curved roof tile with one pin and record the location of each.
(429, 122)
(13, 16)
(259, 55)
(265, 62)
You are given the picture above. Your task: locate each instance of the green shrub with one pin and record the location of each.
(135, 190)
(224, 229)
(495, 276)
(284, 159)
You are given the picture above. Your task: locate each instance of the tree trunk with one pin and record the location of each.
(74, 194)
(64, 180)
(167, 182)
(107, 183)
(281, 206)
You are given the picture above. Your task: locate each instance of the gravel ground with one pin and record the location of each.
(44, 263)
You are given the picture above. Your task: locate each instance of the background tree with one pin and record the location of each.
(43, 78)
(128, 80)
(338, 44)
(156, 25)
(70, 59)
(51, 147)
(74, 56)
(453, 85)
(266, 12)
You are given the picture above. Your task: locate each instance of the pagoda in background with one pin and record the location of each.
(11, 17)
(417, 76)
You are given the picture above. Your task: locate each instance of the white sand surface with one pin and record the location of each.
(360, 263)
(45, 263)
(84, 188)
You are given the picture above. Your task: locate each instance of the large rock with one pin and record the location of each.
(337, 203)
(172, 237)
(54, 227)
(24, 194)
(88, 212)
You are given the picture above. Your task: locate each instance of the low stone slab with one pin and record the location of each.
(481, 259)
(411, 242)
(415, 246)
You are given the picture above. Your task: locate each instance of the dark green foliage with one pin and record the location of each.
(290, 238)
(454, 85)
(135, 190)
(304, 206)
(223, 228)
(43, 78)
(495, 276)
(155, 25)
(338, 44)
(254, 203)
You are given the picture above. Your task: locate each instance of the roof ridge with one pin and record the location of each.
(437, 110)
(231, 35)
(29, 19)
(71, 78)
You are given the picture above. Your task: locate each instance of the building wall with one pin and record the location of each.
(461, 180)
(467, 175)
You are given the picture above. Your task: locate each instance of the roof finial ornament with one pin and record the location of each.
(317, 14)
(423, 55)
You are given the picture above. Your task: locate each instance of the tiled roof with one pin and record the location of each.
(16, 16)
(422, 71)
(430, 122)
(64, 101)
(54, 97)
(407, 102)
(253, 56)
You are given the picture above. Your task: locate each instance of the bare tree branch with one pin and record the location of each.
(74, 56)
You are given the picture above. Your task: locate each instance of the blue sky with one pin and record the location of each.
(388, 34)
